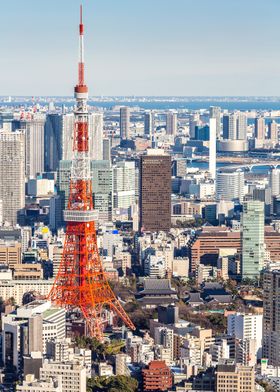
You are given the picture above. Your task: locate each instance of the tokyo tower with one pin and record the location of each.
(81, 282)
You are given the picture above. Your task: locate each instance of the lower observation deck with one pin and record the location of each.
(80, 215)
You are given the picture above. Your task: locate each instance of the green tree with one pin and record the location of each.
(112, 384)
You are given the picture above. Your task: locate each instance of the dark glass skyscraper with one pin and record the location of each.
(155, 191)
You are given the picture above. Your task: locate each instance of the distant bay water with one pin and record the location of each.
(262, 169)
(165, 105)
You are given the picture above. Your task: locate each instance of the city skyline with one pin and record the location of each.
(201, 52)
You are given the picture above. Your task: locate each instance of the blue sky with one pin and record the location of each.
(142, 47)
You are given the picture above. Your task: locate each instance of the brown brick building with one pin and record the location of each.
(157, 377)
(155, 191)
(205, 245)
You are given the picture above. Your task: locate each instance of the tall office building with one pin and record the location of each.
(271, 316)
(124, 184)
(215, 112)
(252, 239)
(63, 181)
(230, 185)
(212, 147)
(34, 145)
(124, 122)
(235, 126)
(247, 327)
(155, 191)
(260, 128)
(194, 121)
(273, 131)
(12, 178)
(149, 124)
(95, 128)
(274, 182)
(102, 189)
(171, 123)
(59, 138)
(241, 126)
(106, 149)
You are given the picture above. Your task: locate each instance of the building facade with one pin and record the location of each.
(155, 191)
(12, 177)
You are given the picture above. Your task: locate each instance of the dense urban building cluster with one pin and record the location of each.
(139, 247)
(186, 206)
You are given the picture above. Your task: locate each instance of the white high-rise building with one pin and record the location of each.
(235, 126)
(230, 185)
(124, 184)
(274, 182)
(247, 327)
(215, 112)
(95, 127)
(212, 147)
(12, 178)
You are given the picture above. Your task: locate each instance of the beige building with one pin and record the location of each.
(10, 253)
(122, 361)
(28, 271)
(73, 375)
(17, 288)
(235, 378)
(30, 384)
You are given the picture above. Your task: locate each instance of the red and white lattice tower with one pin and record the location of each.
(81, 283)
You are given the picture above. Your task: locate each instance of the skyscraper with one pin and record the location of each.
(273, 131)
(95, 129)
(271, 316)
(252, 239)
(149, 124)
(241, 126)
(12, 178)
(124, 122)
(34, 144)
(155, 191)
(274, 182)
(215, 112)
(171, 123)
(212, 147)
(106, 149)
(102, 189)
(124, 184)
(260, 128)
(235, 126)
(230, 185)
(59, 138)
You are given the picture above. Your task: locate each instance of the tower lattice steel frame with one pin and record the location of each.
(81, 282)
